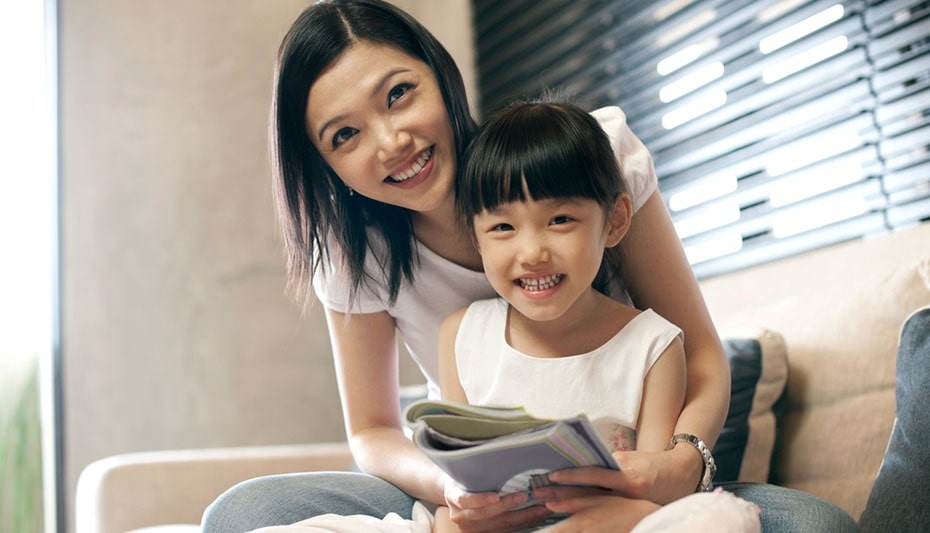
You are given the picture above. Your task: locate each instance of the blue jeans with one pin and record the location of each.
(900, 497)
(284, 499)
(288, 498)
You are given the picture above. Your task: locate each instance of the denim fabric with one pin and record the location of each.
(288, 498)
(789, 510)
(900, 497)
(285, 499)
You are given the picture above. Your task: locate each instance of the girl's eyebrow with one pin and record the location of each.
(374, 92)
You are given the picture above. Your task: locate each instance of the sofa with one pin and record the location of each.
(827, 323)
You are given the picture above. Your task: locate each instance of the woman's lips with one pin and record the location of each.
(414, 169)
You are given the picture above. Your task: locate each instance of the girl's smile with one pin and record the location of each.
(542, 255)
(538, 285)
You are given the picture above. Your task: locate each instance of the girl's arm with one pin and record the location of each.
(661, 278)
(663, 396)
(595, 511)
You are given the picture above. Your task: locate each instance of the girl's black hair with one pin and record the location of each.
(313, 204)
(538, 150)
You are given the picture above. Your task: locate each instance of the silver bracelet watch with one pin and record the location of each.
(710, 467)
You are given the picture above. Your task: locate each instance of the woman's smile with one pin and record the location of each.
(419, 170)
(378, 118)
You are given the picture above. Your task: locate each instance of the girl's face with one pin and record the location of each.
(378, 118)
(542, 256)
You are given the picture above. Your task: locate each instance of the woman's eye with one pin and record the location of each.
(343, 135)
(397, 92)
(561, 219)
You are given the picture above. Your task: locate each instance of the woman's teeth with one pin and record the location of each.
(540, 284)
(416, 168)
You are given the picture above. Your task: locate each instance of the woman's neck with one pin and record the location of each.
(440, 231)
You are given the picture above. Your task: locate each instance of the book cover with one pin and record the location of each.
(504, 450)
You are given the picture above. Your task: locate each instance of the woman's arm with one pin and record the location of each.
(365, 352)
(661, 278)
(449, 383)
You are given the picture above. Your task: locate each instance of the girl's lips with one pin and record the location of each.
(420, 167)
(541, 283)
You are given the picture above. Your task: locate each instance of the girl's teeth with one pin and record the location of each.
(416, 168)
(540, 284)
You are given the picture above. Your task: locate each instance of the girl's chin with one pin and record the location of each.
(535, 314)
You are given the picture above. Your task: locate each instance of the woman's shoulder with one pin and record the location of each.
(634, 158)
(610, 115)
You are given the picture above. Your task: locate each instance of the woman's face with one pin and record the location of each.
(378, 118)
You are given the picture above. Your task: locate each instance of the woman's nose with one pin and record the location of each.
(393, 141)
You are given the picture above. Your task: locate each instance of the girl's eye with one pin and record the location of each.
(503, 226)
(561, 219)
(397, 92)
(343, 135)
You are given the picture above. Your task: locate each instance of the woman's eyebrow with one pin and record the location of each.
(327, 124)
(374, 92)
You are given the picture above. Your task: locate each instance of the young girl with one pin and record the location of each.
(370, 124)
(543, 196)
(544, 199)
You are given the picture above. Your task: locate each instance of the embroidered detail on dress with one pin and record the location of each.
(622, 439)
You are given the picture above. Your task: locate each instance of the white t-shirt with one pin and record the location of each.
(441, 287)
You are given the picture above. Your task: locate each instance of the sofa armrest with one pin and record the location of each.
(136, 490)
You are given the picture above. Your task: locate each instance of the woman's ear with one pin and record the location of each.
(619, 219)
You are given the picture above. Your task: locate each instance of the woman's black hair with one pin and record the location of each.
(312, 202)
(538, 150)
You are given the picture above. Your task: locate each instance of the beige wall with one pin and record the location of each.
(175, 328)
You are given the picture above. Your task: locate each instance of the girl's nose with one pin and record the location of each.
(533, 250)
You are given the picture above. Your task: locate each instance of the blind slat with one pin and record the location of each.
(840, 138)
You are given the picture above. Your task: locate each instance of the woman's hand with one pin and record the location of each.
(659, 477)
(477, 512)
(593, 510)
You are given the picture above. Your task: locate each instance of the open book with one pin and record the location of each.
(503, 450)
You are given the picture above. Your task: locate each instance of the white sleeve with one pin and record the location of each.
(331, 283)
(633, 156)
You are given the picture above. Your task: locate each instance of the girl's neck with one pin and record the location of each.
(440, 231)
(589, 324)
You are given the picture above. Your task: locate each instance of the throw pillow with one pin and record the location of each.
(759, 373)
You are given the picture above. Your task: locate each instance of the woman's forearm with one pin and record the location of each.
(387, 453)
(365, 356)
(708, 395)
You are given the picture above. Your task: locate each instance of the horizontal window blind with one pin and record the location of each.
(776, 126)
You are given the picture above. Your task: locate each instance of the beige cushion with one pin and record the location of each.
(839, 310)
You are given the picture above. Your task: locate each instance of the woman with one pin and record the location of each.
(370, 127)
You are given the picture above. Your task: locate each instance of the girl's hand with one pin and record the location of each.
(478, 512)
(593, 510)
(659, 477)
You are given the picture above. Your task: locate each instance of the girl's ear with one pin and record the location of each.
(619, 220)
